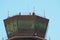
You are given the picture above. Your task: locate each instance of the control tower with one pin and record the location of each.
(26, 27)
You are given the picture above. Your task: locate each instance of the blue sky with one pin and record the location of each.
(52, 12)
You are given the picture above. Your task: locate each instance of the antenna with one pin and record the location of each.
(8, 14)
(19, 13)
(33, 9)
(44, 13)
(29, 13)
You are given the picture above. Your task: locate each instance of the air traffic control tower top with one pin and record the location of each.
(26, 26)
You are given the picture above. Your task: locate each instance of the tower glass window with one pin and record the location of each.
(11, 27)
(26, 25)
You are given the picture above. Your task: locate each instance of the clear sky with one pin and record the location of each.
(52, 12)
